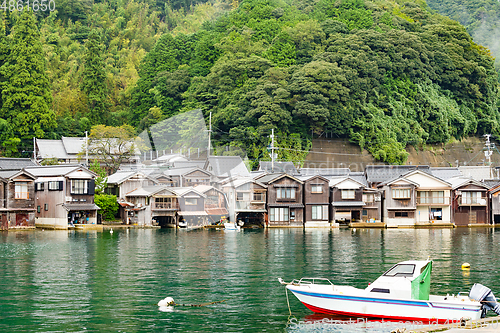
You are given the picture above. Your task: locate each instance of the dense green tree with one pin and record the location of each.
(94, 81)
(26, 96)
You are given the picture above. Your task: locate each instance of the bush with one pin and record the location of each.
(108, 204)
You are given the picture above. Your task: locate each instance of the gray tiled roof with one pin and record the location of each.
(51, 149)
(477, 172)
(284, 167)
(73, 145)
(15, 163)
(7, 173)
(382, 173)
(325, 171)
(269, 177)
(52, 170)
(184, 164)
(227, 166)
(445, 172)
(491, 182)
(119, 177)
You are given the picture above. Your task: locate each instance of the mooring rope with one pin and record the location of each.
(203, 304)
(290, 316)
(170, 302)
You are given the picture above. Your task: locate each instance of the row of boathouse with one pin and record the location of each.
(204, 193)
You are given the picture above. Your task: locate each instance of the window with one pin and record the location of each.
(401, 214)
(401, 193)
(191, 201)
(430, 197)
(21, 190)
(259, 197)
(317, 212)
(285, 193)
(423, 197)
(401, 270)
(469, 198)
(368, 197)
(38, 209)
(55, 186)
(39, 186)
(212, 200)
(46, 207)
(242, 196)
(292, 215)
(365, 212)
(279, 214)
(79, 186)
(316, 188)
(438, 197)
(348, 194)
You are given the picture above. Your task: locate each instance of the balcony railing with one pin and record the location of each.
(250, 205)
(166, 205)
(22, 195)
(473, 201)
(433, 201)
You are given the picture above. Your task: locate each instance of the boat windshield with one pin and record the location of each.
(401, 270)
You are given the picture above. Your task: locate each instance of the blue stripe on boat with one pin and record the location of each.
(379, 300)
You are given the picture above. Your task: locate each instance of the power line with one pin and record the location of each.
(318, 152)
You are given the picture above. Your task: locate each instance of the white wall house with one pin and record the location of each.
(416, 198)
(433, 198)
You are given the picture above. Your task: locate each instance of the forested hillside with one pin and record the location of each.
(385, 74)
(481, 18)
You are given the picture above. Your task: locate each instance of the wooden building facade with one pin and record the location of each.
(346, 199)
(285, 205)
(64, 196)
(316, 201)
(470, 203)
(246, 201)
(17, 199)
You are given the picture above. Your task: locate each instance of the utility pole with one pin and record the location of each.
(86, 149)
(488, 153)
(209, 135)
(34, 149)
(272, 150)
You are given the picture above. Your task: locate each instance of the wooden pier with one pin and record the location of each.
(367, 225)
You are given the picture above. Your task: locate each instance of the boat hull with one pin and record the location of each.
(386, 308)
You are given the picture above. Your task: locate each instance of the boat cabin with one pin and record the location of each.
(397, 281)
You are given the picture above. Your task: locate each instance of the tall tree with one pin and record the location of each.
(26, 97)
(94, 80)
(111, 146)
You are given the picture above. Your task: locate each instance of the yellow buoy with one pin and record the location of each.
(465, 265)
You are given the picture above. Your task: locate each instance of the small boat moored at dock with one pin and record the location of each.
(401, 293)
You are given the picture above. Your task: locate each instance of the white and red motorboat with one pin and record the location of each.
(401, 293)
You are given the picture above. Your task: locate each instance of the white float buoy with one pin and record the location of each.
(111, 231)
(167, 301)
(465, 266)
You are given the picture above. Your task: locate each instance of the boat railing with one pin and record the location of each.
(311, 281)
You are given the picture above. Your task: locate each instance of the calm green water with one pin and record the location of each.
(59, 281)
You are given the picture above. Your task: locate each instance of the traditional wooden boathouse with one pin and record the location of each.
(284, 200)
(17, 199)
(470, 202)
(246, 200)
(64, 196)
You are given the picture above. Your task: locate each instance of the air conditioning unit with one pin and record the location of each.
(69, 199)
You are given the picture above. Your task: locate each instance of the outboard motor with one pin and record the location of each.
(484, 295)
